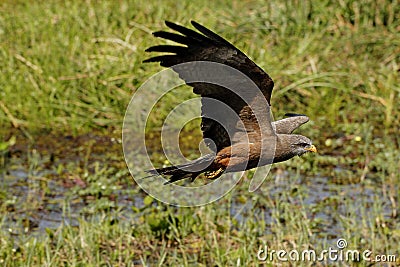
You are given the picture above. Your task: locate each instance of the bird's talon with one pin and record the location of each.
(214, 174)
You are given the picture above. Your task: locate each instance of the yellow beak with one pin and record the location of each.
(311, 148)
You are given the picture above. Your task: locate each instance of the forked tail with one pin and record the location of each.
(188, 170)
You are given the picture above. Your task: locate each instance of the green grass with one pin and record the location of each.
(71, 68)
(74, 65)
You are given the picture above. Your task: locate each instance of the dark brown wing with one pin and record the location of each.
(207, 46)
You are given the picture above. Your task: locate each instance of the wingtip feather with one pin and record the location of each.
(194, 23)
(170, 23)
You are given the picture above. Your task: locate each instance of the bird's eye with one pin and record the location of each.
(303, 144)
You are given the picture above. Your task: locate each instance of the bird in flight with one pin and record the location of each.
(236, 122)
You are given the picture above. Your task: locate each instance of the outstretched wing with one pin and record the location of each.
(206, 46)
(288, 125)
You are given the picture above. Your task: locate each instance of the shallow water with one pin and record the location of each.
(327, 204)
(61, 208)
(39, 196)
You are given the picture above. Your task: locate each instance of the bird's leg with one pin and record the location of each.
(220, 163)
(214, 174)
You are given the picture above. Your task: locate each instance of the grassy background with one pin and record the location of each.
(70, 68)
(75, 65)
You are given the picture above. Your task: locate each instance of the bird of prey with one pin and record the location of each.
(236, 148)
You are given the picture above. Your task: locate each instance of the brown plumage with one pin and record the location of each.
(247, 138)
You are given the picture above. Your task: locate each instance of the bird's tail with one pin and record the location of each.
(188, 170)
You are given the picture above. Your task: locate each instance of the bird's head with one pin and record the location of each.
(300, 144)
